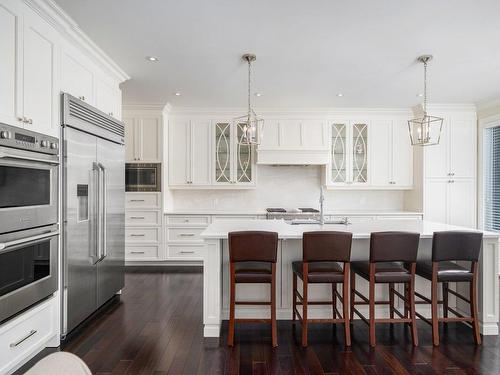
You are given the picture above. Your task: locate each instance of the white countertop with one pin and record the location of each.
(263, 212)
(360, 230)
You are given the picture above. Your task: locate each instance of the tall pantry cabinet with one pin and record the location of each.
(449, 179)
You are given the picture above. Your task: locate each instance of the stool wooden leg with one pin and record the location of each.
(372, 305)
(406, 310)
(230, 335)
(434, 305)
(411, 293)
(351, 300)
(294, 297)
(445, 300)
(473, 305)
(345, 306)
(334, 301)
(391, 300)
(304, 304)
(274, 330)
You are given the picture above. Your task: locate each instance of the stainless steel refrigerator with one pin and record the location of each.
(93, 210)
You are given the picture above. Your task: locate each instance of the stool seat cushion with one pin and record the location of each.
(320, 272)
(253, 272)
(447, 271)
(385, 272)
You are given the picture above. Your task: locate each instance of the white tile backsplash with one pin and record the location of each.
(286, 186)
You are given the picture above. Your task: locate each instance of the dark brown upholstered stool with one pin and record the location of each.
(388, 252)
(320, 253)
(447, 247)
(252, 259)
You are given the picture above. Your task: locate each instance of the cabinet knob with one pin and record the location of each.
(29, 121)
(21, 119)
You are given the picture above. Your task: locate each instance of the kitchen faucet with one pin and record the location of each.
(321, 201)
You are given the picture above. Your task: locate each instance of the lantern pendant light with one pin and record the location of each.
(425, 130)
(250, 123)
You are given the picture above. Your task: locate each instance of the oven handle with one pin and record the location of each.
(3, 155)
(6, 245)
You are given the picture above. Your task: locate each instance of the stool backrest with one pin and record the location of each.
(456, 245)
(394, 247)
(256, 246)
(326, 246)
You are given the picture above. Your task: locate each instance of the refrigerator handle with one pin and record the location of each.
(104, 189)
(97, 211)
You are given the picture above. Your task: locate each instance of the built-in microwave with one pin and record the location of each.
(143, 177)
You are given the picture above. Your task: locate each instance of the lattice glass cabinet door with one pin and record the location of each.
(359, 153)
(339, 153)
(223, 153)
(243, 158)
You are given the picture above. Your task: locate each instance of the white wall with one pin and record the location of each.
(284, 186)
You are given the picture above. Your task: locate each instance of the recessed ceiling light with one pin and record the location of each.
(152, 58)
(340, 95)
(177, 93)
(258, 94)
(420, 95)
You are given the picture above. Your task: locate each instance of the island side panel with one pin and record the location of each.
(212, 288)
(488, 287)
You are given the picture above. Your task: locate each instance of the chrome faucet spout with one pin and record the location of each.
(321, 203)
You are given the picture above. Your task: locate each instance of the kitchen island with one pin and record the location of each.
(216, 273)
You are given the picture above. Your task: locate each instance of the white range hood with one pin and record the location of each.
(294, 142)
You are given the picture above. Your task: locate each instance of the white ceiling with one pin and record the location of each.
(307, 50)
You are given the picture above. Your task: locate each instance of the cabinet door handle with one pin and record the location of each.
(186, 221)
(186, 235)
(21, 119)
(187, 252)
(137, 235)
(137, 217)
(29, 121)
(137, 252)
(137, 200)
(23, 339)
(81, 97)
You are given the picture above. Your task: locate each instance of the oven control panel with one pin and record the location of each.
(23, 139)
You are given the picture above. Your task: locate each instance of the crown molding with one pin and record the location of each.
(143, 107)
(285, 112)
(488, 104)
(69, 29)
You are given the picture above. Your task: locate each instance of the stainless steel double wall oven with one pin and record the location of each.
(29, 234)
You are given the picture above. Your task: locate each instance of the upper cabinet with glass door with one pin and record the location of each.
(349, 154)
(233, 161)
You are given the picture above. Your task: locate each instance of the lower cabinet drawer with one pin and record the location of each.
(142, 235)
(142, 200)
(142, 218)
(179, 252)
(26, 334)
(142, 253)
(184, 234)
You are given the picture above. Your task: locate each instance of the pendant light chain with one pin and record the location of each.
(249, 83)
(425, 86)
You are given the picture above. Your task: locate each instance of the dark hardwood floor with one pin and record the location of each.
(156, 328)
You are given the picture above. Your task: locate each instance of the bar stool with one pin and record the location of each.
(449, 246)
(252, 259)
(388, 252)
(320, 253)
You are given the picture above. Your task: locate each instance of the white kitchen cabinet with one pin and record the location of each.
(233, 163)
(349, 154)
(10, 33)
(455, 155)
(38, 92)
(391, 155)
(189, 153)
(108, 98)
(77, 78)
(143, 138)
(143, 227)
(450, 201)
